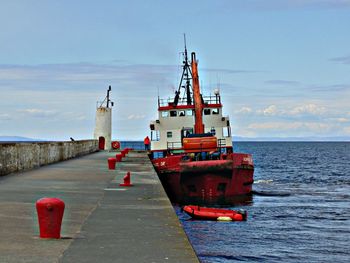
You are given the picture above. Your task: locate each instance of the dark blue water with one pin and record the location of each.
(306, 218)
(136, 145)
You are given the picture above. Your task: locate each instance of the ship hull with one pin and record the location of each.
(209, 182)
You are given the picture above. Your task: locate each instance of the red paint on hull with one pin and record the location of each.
(208, 182)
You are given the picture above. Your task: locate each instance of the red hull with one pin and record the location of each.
(210, 182)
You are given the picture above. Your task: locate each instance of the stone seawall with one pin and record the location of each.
(16, 157)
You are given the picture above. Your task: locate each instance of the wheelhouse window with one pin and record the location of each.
(215, 111)
(169, 134)
(181, 113)
(155, 135)
(165, 114)
(189, 112)
(173, 113)
(206, 111)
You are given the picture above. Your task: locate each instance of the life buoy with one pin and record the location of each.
(115, 145)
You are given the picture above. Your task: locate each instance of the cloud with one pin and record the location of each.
(317, 127)
(67, 75)
(282, 82)
(228, 71)
(274, 126)
(340, 120)
(38, 113)
(332, 88)
(293, 4)
(136, 116)
(244, 110)
(302, 110)
(308, 109)
(5, 117)
(342, 60)
(269, 111)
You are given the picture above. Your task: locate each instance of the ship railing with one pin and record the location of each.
(178, 146)
(222, 145)
(174, 145)
(211, 99)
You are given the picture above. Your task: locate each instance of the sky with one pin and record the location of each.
(282, 66)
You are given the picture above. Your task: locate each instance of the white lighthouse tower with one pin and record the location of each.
(103, 126)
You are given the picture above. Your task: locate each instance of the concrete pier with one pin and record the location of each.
(103, 222)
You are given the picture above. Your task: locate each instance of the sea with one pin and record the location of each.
(300, 210)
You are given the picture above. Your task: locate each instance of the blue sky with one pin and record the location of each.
(282, 65)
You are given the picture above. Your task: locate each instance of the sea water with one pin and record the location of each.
(300, 212)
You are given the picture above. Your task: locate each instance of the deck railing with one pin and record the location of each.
(211, 99)
(173, 146)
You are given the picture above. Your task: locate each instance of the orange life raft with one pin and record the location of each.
(205, 213)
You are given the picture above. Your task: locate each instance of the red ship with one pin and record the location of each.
(191, 147)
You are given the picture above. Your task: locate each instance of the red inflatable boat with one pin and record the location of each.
(205, 213)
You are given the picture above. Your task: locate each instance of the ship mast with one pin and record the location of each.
(198, 104)
(186, 76)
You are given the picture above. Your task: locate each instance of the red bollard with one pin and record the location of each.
(118, 157)
(50, 212)
(111, 163)
(126, 180)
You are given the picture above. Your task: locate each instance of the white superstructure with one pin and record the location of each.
(175, 122)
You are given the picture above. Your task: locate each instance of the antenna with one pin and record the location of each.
(185, 54)
(185, 77)
(106, 99)
(108, 91)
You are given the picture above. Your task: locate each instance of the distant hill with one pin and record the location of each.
(18, 139)
(291, 139)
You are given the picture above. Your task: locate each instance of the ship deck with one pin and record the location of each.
(102, 222)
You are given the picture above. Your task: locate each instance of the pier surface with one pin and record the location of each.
(103, 222)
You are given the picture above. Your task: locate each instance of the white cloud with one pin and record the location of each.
(275, 125)
(269, 111)
(341, 120)
(308, 109)
(38, 112)
(5, 116)
(287, 126)
(300, 111)
(136, 116)
(244, 110)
